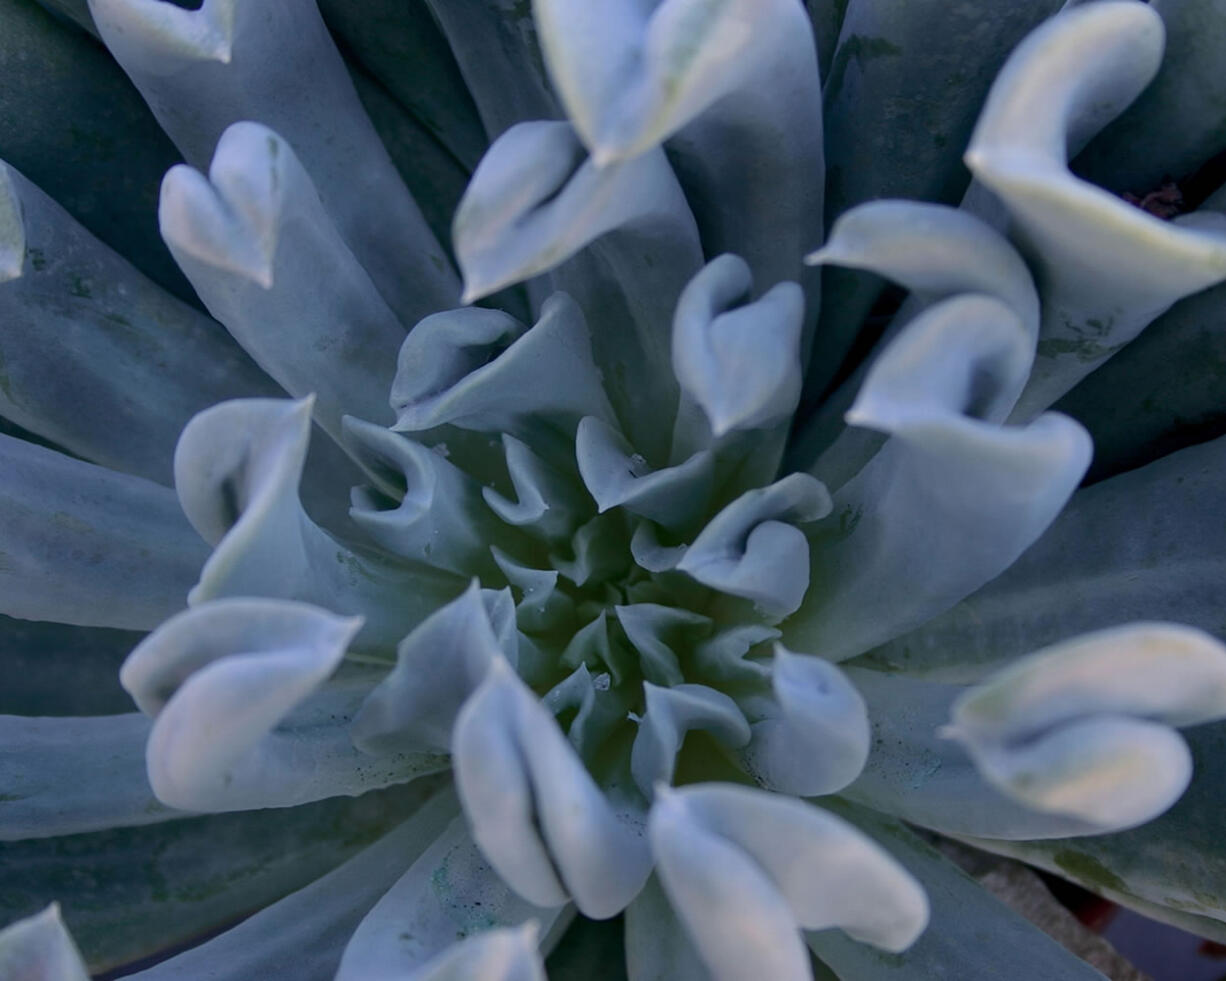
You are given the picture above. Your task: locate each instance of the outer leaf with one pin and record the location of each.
(203, 70)
(65, 111)
(40, 949)
(963, 914)
(237, 468)
(89, 546)
(951, 501)
(302, 936)
(1146, 545)
(255, 240)
(66, 776)
(96, 357)
(434, 919)
(1178, 122)
(131, 893)
(1107, 268)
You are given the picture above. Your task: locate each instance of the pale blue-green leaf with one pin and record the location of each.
(738, 360)
(89, 546)
(449, 896)
(96, 357)
(1081, 727)
(1146, 545)
(541, 606)
(669, 714)
(903, 91)
(268, 262)
(618, 477)
(495, 45)
(67, 776)
(901, 96)
(423, 508)
(549, 503)
(656, 945)
(1179, 121)
(951, 501)
(72, 123)
(733, 87)
(536, 201)
(730, 910)
(917, 773)
(971, 934)
(813, 736)
(534, 811)
(402, 47)
(302, 937)
(55, 669)
(499, 954)
(657, 633)
(202, 70)
(1175, 377)
(935, 252)
(237, 469)
(242, 717)
(131, 893)
(479, 369)
(1170, 869)
(745, 869)
(437, 667)
(598, 709)
(753, 548)
(40, 949)
(1107, 268)
(433, 175)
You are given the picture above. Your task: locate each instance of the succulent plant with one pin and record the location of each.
(556, 519)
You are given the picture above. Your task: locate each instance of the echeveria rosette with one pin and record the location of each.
(606, 626)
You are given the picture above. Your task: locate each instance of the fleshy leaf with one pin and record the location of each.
(534, 811)
(1081, 728)
(135, 892)
(437, 667)
(918, 774)
(739, 363)
(89, 546)
(96, 357)
(422, 507)
(657, 632)
(255, 241)
(813, 737)
(68, 776)
(616, 476)
(448, 918)
(1146, 545)
(478, 369)
(951, 501)
(936, 252)
(205, 69)
(223, 681)
(655, 941)
(40, 949)
(670, 713)
(735, 90)
(237, 470)
(753, 548)
(1107, 268)
(302, 937)
(1177, 123)
(549, 503)
(745, 869)
(962, 914)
